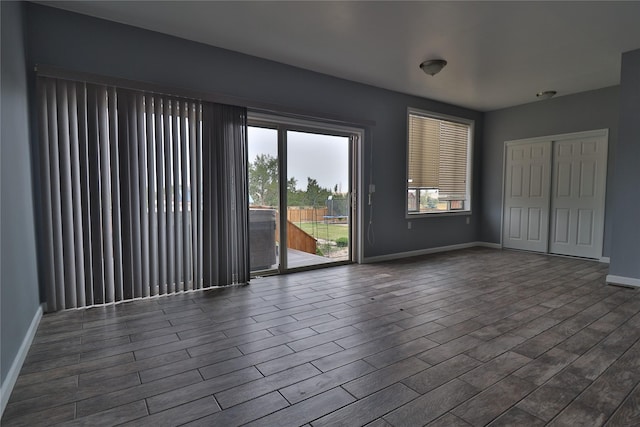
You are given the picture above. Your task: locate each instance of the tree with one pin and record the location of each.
(263, 180)
(426, 200)
(291, 184)
(316, 195)
(295, 197)
(264, 191)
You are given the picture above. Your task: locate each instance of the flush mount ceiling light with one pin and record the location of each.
(546, 94)
(433, 66)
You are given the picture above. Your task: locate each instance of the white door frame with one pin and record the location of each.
(357, 165)
(559, 137)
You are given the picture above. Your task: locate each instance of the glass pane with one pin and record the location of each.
(425, 200)
(318, 213)
(263, 198)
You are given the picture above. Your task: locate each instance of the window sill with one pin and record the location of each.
(436, 214)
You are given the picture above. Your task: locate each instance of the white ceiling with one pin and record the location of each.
(500, 53)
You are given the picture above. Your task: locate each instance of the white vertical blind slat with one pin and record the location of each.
(56, 211)
(95, 204)
(115, 195)
(162, 194)
(85, 208)
(64, 153)
(194, 194)
(168, 139)
(200, 178)
(125, 196)
(76, 194)
(143, 193)
(46, 214)
(177, 199)
(208, 230)
(152, 194)
(135, 242)
(235, 181)
(185, 211)
(104, 141)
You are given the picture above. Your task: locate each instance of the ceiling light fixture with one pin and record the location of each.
(433, 66)
(546, 94)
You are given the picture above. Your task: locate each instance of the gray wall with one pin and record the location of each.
(81, 43)
(19, 279)
(625, 251)
(584, 111)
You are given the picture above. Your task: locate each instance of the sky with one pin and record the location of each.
(322, 157)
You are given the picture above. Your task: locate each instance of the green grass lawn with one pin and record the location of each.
(320, 230)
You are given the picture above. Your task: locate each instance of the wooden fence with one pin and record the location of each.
(296, 214)
(298, 239)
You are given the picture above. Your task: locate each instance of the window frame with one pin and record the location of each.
(467, 208)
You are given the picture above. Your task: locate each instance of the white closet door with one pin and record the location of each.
(526, 196)
(577, 203)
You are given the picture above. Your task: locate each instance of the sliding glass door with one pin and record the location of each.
(318, 198)
(301, 183)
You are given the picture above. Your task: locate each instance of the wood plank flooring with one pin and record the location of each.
(473, 337)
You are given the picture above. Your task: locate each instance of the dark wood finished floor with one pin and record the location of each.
(471, 337)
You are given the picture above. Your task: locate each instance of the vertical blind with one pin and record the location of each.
(141, 194)
(438, 156)
(226, 193)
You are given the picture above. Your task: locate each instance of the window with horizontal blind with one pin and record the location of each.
(438, 164)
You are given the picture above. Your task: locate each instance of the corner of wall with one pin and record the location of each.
(16, 365)
(625, 203)
(20, 311)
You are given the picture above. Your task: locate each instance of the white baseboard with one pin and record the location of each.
(399, 255)
(605, 259)
(12, 375)
(623, 281)
(488, 245)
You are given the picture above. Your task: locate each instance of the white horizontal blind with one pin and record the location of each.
(452, 176)
(121, 181)
(438, 156)
(424, 148)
